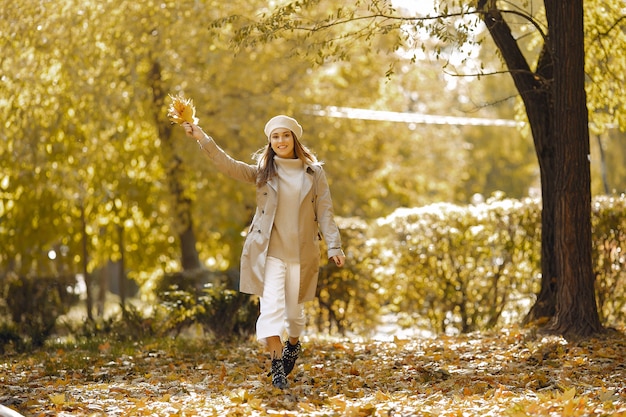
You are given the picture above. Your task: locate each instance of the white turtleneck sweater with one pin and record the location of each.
(284, 241)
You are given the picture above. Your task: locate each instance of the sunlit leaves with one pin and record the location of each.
(81, 134)
(81, 126)
(64, 146)
(605, 64)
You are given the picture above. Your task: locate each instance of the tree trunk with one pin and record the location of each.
(550, 101)
(86, 274)
(183, 224)
(122, 266)
(576, 310)
(103, 288)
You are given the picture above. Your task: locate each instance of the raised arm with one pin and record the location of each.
(238, 170)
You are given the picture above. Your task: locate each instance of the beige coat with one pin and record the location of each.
(316, 214)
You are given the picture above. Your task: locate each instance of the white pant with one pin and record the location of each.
(280, 310)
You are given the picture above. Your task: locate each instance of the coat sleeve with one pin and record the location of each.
(325, 215)
(226, 164)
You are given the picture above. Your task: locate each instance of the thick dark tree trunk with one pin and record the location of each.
(183, 223)
(565, 180)
(576, 310)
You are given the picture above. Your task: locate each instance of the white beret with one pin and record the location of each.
(285, 122)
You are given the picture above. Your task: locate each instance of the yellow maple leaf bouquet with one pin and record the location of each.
(182, 110)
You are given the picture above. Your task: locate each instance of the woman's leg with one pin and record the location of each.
(295, 319)
(271, 321)
(274, 347)
(294, 311)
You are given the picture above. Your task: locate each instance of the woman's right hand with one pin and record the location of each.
(193, 131)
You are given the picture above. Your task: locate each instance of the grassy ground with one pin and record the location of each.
(508, 373)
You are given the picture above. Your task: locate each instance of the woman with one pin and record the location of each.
(280, 258)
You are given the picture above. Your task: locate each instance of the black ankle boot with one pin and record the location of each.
(290, 354)
(278, 374)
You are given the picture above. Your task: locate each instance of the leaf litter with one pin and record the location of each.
(513, 372)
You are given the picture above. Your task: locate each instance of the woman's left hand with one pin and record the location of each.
(339, 260)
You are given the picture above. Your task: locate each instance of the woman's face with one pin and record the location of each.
(282, 142)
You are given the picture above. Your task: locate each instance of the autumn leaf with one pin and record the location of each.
(239, 396)
(104, 347)
(569, 394)
(57, 399)
(182, 110)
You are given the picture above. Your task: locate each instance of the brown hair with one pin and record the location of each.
(265, 160)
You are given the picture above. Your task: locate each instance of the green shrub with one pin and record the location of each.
(220, 310)
(10, 338)
(609, 254)
(228, 312)
(347, 298)
(461, 268)
(33, 305)
(449, 268)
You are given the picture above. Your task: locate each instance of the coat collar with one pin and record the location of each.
(307, 181)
